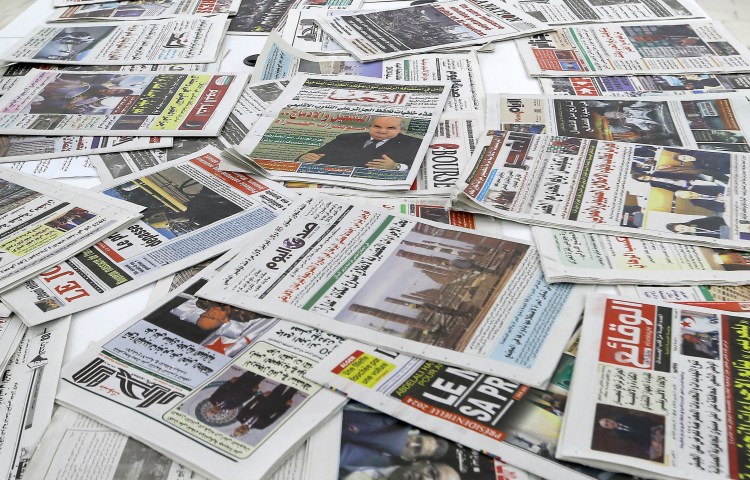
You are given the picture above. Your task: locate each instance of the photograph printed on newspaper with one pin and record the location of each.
(255, 98)
(185, 39)
(644, 367)
(514, 423)
(468, 298)
(27, 394)
(15, 148)
(700, 46)
(261, 17)
(696, 197)
(357, 131)
(193, 212)
(143, 9)
(217, 388)
(557, 12)
(646, 85)
(569, 256)
(43, 222)
(142, 104)
(381, 34)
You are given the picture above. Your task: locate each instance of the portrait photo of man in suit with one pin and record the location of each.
(384, 146)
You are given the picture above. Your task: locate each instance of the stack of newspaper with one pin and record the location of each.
(362, 265)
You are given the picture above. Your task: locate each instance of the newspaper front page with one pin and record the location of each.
(22, 148)
(709, 122)
(193, 212)
(466, 298)
(55, 168)
(646, 85)
(697, 197)
(357, 131)
(373, 443)
(556, 12)
(43, 222)
(76, 446)
(659, 391)
(578, 257)
(261, 17)
(27, 395)
(254, 100)
(514, 423)
(403, 31)
(140, 9)
(219, 389)
(700, 46)
(185, 39)
(183, 104)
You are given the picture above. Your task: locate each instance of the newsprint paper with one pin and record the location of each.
(11, 332)
(659, 391)
(635, 48)
(359, 131)
(139, 9)
(464, 297)
(557, 12)
(183, 104)
(43, 222)
(185, 39)
(193, 212)
(219, 389)
(27, 394)
(76, 446)
(697, 197)
(384, 34)
(637, 86)
(569, 256)
(516, 424)
(709, 122)
(20, 149)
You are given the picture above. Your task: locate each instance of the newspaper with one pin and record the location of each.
(699, 46)
(80, 447)
(646, 85)
(43, 222)
(697, 197)
(261, 17)
(254, 99)
(302, 32)
(578, 257)
(658, 391)
(710, 293)
(12, 330)
(514, 423)
(373, 445)
(68, 3)
(468, 298)
(143, 9)
(20, 149)
(710, 122)
(376, 35)
(560, 12)
(55, 168)
(279, 59)
(12, 74)
(219, 389)
(184, 39)
(27, 394)
(193, 212)
(184, 104)
(388, 128)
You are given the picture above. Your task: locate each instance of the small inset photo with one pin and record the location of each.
(628, 432)
(699, 334)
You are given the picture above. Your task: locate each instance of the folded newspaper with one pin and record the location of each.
(658, 391)
(261, 17)
(356, 131)
(464, 297)
(20, 149)
(698, 46)
(140, 9)
(55, 168)
(647, 85)
(381, 34)
(193, 212)
(579, 257)
(184, 39)
(697, 197)
(219, 389)
(559, 12)
(43, 222)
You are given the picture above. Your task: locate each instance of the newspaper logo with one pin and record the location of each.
(39, 345)
(584, 86)
(283, 253)
(629, 334)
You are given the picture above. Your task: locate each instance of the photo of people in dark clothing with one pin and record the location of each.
(699, 334)
(629, 432)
